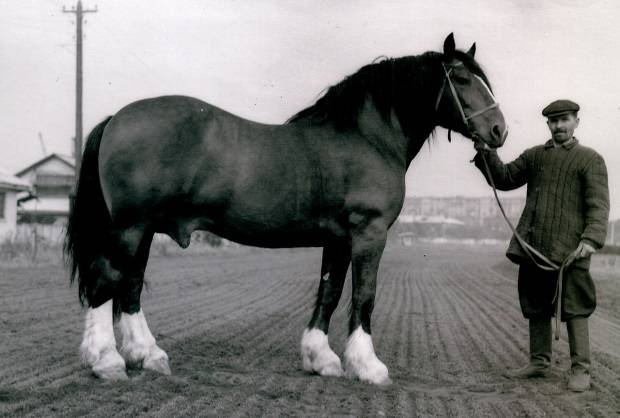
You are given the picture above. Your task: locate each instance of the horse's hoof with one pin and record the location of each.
(110, 374)
(361, 361)
(376, 373)
(157, 361)
(110, 366)
(385, 382)
(317, 356)
(332, 369)
(158, 365)
(373, 378)
(326, 363)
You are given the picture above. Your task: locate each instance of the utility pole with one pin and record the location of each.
(79, 15)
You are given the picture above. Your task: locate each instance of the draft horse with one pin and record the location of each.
(333, 176)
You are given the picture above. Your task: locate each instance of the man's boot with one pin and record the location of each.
(540, 351)
(579, 343)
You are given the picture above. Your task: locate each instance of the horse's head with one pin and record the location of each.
(465, 102)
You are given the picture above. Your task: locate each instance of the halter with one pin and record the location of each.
(465, 118)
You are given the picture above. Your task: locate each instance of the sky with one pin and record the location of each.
(265, 60)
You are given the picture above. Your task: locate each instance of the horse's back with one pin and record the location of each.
(184, 164)
(151, 150)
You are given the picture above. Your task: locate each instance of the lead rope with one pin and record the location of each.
(547, 264)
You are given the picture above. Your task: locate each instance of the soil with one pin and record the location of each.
(447, 324)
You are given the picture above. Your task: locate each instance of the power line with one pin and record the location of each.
(79, 12)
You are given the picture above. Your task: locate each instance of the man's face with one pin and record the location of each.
(563, 126)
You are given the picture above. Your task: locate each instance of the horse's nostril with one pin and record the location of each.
(496, 132)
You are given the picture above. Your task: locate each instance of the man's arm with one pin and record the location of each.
(596, 200)
(506, 176)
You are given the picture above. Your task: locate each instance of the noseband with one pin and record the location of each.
(466, 118)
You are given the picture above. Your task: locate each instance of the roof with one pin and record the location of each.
(69, 161)
(10, 182)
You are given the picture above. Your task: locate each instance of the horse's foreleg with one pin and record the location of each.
(368, 242)
(316, 353)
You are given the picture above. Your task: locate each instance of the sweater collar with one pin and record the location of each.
(567, 145)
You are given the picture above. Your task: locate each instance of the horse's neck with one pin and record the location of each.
(385, 136)
(388, 135)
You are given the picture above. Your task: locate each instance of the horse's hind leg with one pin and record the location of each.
(107, 277)
(98, 348)
(139, 348)
(316, 353)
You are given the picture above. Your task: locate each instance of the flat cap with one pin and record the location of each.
(559, 107)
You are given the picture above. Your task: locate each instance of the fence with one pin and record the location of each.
(41, 243)
(41, 234)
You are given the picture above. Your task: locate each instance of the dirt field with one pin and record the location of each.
(446, 323)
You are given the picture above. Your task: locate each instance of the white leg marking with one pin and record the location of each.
(360, 360)
(98, 348)
(139, 347)
(317, 356)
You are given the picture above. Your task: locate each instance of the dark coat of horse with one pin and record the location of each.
(333, 176)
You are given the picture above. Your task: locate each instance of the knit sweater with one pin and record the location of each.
(567, 198)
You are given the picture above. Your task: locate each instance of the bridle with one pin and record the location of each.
(465, 118)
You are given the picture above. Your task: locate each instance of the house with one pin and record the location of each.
(10, 186)
(53, 179)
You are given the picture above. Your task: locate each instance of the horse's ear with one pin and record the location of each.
(472, 50)
(448, 45)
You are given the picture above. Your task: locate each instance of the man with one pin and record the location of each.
(565, 216)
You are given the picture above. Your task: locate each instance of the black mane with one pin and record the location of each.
(405, 85)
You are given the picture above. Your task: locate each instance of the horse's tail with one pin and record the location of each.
(89, 220)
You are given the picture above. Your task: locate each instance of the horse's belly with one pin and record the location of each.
(261, 234)
(278, 239)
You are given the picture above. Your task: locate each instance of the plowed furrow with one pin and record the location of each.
(501, 321)
(484, 336)
(456, 325)
(462, 343)
(611, 376)
(446, 323)
(191, 304)
(417, 355)
(197, 315)
(399, 313)
(428, 364)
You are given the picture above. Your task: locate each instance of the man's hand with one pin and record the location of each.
(583, 250)
(480, 145)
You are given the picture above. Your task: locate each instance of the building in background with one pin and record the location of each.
(10, 187)
(470, 210)
(468, 217)
(459, 216)
(42, 212)
(53, 179)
